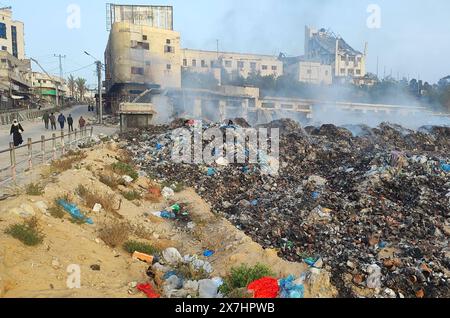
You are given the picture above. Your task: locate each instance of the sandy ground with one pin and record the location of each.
(42, 271)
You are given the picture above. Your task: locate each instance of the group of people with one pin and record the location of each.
(49, 119)
(62, 120)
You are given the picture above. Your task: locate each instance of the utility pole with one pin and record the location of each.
(99, 75)
(100, 102)
(61, 77)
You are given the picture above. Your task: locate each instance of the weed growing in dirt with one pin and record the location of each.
(34, 189)
(56, 211)
(92, 197)
(243, 275)
(132, 195)
(28, 232)
(141, 247)
(111, 180)
(114, 233)
(67, 161)
(124, 169)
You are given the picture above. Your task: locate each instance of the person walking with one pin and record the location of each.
(16, 131)
(70, 122)
(53, 121)
(61, 120)
(46, 119)
(82, 122)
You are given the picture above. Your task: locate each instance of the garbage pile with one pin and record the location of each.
(174, 276)
(371, 205)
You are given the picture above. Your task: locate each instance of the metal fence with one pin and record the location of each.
(23, 158)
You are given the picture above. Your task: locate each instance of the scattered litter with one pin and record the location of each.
(97, 208)
(143, 257)
(167, 193)
(289, 289)
(74, 211)
(265, 287)
(172, 256)
(148, 290)
(127, 179)
(208, 253)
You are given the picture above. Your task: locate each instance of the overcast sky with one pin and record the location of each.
(414, 37)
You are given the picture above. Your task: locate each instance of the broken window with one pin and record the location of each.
(169, 49)
(144, 38)
(264, 67)
(274, 68)
(342, 70)
(204, 63)
(168, 41)
(140, 45)
(358, 72)
(168, 66)
(4, 48)
(137, 70)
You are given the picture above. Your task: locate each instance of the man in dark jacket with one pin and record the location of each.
(16, 131)
(46, 119)
(70, 122)
(53, 121)
(61, 120)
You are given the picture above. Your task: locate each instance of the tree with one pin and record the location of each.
(72, 85)
(81, 87)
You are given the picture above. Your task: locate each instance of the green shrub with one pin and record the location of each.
(134, 246)
(34, 189)
(27, 232)
(132, 195)
(125, 169)
(242, 276)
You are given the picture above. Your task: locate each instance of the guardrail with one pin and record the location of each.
(59, 145)
(22, 115)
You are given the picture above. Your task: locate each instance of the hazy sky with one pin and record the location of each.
(414, 38)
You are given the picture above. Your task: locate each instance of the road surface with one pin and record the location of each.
(36, 129)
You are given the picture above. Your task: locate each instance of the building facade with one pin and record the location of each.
(48, 89)
(234, 64)
(324, 46)
(11, 35)
(308, 71)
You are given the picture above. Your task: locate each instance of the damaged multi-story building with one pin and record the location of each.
(324, 47)
(145, 64)
(15, 85)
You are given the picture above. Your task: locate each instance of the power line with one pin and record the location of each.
(80, 69)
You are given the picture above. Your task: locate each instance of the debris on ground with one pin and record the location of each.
(357, 195)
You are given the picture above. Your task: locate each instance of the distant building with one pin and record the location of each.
(346, 62)
(45, 88)
(308, 71)
(234, 64)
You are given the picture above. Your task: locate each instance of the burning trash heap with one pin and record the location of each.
(371, 205)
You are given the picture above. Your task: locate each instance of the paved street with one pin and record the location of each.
(35, 129)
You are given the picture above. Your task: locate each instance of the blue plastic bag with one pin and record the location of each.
(168, 215)
(288, 289)
(74, 211)
(445, 167)
(208, 253)
(211, 172)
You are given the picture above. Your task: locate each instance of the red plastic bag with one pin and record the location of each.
(265, 287)
(148, 290)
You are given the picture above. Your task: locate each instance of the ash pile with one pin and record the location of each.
(370, 205)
